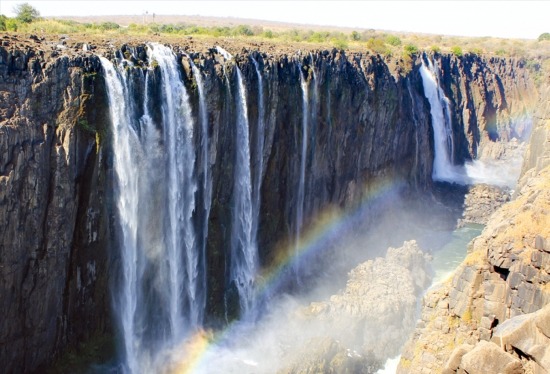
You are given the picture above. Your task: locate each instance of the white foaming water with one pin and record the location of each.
(502, 173)
(157, 302)
(207, 179)
(224, 53)
(391, 366)
(178, 141)
(443, 168)
(126, 144)
(244, 254)
(260, 134)
(301, 181)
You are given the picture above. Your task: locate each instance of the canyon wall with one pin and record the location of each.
(368, 121)
(492, 315)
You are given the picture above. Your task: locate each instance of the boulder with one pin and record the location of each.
(528, 334)
(487, 358)
(453, 363)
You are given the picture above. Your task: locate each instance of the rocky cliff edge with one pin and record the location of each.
(492, 316)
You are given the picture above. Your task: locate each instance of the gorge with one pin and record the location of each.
(151, 194)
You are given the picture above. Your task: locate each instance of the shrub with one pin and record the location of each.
(377, 45)
(12, 24)
(3, 19)
(109, 26)
(268, 34)
(244, 30)
(318, 37)
(137, 28)
(410, 49)
(500, 52)
(457, 51)
(49, 26)
(355, 36)
(435, 49)
(26, 13)
(544, 36)
(477, 51)
(340, 43)
(393, 40)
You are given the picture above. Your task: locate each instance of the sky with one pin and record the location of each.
(508, 19)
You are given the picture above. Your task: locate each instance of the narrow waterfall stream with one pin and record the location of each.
(206, 182)
(259, 161)
(302, 177)
(178, 140)
(244, 254)
(126, 141)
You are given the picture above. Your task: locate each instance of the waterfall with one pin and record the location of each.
(159, 294)
(260, 134)
(206, 181)
(244, 256)
(443, 169)
(126, 144)
(313, 122)
(180, 160)
(301, 181)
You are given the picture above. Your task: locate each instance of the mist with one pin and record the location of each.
(360, 299)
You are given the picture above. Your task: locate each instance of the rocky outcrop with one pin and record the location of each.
(528, 336)
(519, 345)
(59, 254)
(368, 321)
(481, 201)
(504, 278)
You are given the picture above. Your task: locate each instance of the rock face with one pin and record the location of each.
(490, 103)
(54, 232)
(481, 202)
(496, 293)
(58, 251)
(369, 320)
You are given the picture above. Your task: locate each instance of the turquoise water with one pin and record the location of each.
(446, 260)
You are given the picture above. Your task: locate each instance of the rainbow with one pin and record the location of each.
(193, 355)
(331, 224)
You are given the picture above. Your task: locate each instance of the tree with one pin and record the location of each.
(26, 13)
(544, 36)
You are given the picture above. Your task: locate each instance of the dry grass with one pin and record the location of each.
(388, 44)
(377, 41)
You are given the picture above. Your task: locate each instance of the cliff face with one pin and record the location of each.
(54, 229)
(491, 103)
(499, 293)
(57, 221)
